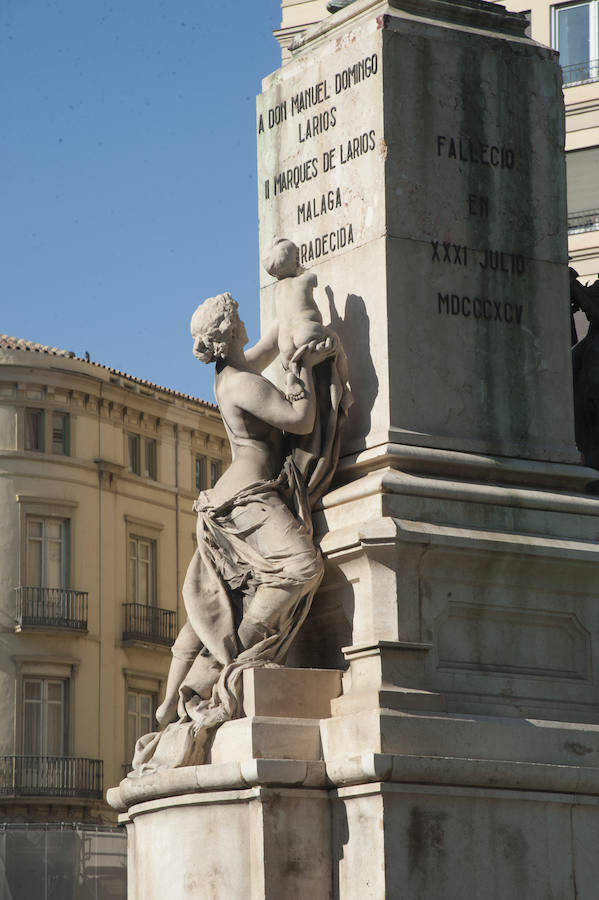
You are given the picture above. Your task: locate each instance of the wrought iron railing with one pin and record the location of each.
(55, 607)
(587, 220)
(580, 72)
(50, 776)
(152, 624)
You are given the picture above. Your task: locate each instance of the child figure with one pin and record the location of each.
(298, 319)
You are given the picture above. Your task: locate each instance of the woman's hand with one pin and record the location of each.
(318, 350)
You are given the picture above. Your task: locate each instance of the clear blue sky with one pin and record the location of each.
(128, 159)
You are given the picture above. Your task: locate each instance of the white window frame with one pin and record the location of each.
(43, 705)
(135, 561)
(593, 6)
(141, 682)
(45, 540)
(138, 721)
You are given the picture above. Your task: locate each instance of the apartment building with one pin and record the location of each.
(573, 29)
(98, 473)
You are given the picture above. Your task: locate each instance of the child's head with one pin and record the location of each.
(281, 258)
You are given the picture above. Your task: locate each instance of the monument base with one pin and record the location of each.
(223, 845)
(440, 842)
(438, 806)
(364, 842)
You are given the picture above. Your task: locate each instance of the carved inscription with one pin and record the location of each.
(474, 150)
(316, 111)
(490, 310)
(322, 131)
(318, 206)
(494, 260)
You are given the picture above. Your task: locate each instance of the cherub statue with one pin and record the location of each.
(298, 319)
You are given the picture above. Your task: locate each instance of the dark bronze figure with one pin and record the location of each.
(585, 365)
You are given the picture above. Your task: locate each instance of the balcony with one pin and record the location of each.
(588, 220)
(580, 73)
(149, 624)
(51, 776)
(51, 608)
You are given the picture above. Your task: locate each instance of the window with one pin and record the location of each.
(47, 552)
(60, 433)
(140, 715)
(47, 431)
(200, 473)
(44, 717)
(150, 458)
(34, 429)
(582, 168)
(142, 456)
(576, 36)
(215, 471)
(142, 570)
(134, 460)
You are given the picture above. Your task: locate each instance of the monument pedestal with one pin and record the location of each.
(383, 803)
(413, 150)
(256, 843)
(253, 823)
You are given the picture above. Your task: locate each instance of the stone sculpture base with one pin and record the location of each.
(254, 843)
(449, 806)
(365, 842)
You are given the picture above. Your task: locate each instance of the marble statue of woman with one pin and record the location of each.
(252, 578)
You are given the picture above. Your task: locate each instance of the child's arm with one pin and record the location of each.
(265, 351)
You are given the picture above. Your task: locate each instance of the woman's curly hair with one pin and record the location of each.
(212, 326)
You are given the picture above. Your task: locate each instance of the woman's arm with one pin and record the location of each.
(264, 401)
(265, 351)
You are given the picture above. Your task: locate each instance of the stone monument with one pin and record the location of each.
(436, 730)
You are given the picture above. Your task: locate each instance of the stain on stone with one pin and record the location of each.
(513, 845)
(294, 866)
(426, 838)
(578, 749)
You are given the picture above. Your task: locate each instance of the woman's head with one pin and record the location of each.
(213, 325)
(281, 259)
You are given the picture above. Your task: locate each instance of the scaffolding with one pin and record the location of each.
(62, 862)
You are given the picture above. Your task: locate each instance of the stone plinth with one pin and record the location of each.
(437, 843)
(256, 843)
(426, 804)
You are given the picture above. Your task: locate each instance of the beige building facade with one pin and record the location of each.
(573, 29)
(98, 474)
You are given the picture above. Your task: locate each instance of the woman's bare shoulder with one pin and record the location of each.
(241, 387)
